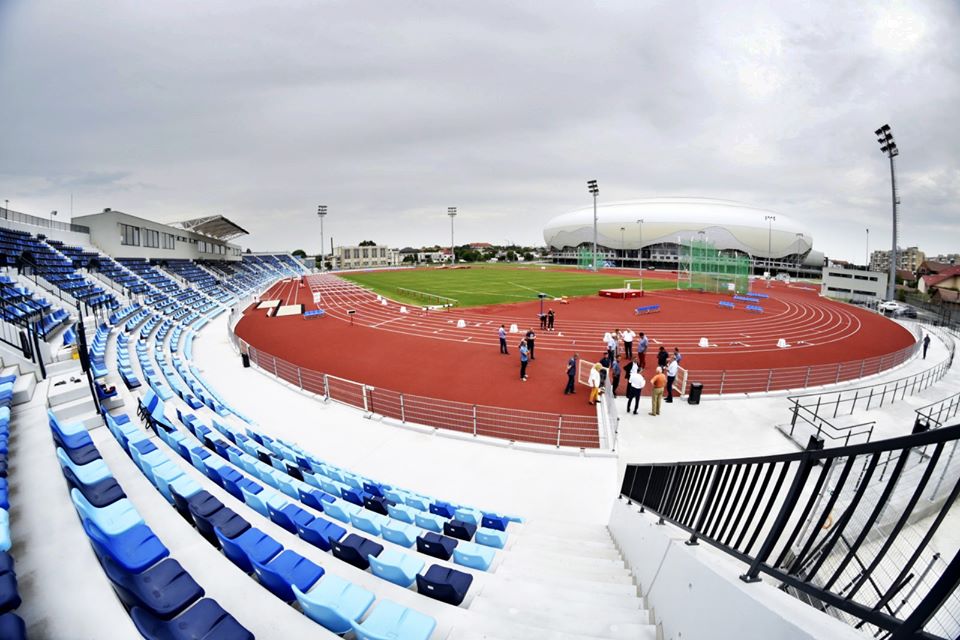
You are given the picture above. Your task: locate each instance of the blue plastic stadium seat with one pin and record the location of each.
(135, 549)
(494, 521)
(165, 589)
(402, 512)
(459, 529)
(320, 531)
(230, 523)
(416, 502)
(12, 627)
(395, 566)
(82, 455)
(285, 571)
(475, 556)
(373, 488)
(203, 504)
(377, 504)
(355, 550)
(205, 620)
(99, 493)
(429, 521)
(491, 538)
(87, 473)
(368, 521)
(290, 516)
(315, 498)
(341, 510)
(399, 532)
(436, 545)
(471, 516)
(442, 509)
(334, 603)
(112, 519)
(9, 594)
(352, 495)
(389, 620)
(252, 544)
(445, 585)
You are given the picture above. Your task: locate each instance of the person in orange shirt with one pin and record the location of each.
(658, 382)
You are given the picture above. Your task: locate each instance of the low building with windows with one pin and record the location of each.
(853, 285)
(127, 236)
(368, 257)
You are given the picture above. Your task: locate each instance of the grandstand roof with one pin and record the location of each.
(218, 227)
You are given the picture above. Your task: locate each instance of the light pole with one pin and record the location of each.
(595, 191)
(868, 249)
(799, 239)
(770, 220)
(889, 147)
(640, 250)
(452, 212)
(322, 212)
(623, 251)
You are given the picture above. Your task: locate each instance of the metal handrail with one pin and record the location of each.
(944, 410)
(802, 518)
(35, 221)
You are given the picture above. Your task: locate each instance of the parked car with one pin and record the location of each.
(890, 306)
(909, 312)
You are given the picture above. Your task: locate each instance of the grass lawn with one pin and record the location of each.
(491, 284)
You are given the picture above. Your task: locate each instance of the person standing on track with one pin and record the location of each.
(524, 356)
(612, 345)
(531, 338)
(634, 388)
(571, 374)
(676, 355)
(642, 350)
(543, 322)
(672, 367)
(550, 320)
(595, 383)
(662, 356)
(657, 383)
(628, 336)
(502, 332)
(615, 375)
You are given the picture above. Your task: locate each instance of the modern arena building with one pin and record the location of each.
(657, 227)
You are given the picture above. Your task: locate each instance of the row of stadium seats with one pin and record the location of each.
(11, 625)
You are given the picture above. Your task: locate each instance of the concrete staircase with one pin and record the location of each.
(558, 581)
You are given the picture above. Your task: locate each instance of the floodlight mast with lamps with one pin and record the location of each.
(770, 220)
(640, 250)
(452, 212)
(595, 191)
(322, 213)
(889, 146)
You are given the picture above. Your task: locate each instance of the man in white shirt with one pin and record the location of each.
(634, 388)
(672, 367)
(594, 383)
(627, 336)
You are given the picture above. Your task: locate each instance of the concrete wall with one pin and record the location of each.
(853, 284)
(69, 237)
(696, 591)
(105, 235)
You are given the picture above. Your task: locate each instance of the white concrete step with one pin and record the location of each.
(520, 590)
(562, 545)
(23, 388)
(572, 559)
(572, 531)
(569, 566)
(624, 625)
(558, 575)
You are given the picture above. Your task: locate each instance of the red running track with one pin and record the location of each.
(426, 354)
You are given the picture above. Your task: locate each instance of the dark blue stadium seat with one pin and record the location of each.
(82, 455)
(205, 620)
(203, 504)
(288, 568)
(493, 521)
(290, 516)
(445, 585)
(165, 589)
(320, 531)
(135, 549)
(12, 627)
(229, 522)
(460, 530)
(355, 549)
(252, 544)
(315, 498)
(377, 504)
(9, 595)
(442, 509)
(436, 545)
(100, 493)
(352, 495)
(6, 562)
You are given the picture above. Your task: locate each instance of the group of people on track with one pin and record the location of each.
(618, 362)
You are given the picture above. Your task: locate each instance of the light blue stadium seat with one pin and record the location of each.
(340, 509)
(112, 519)
(395, 566)
(334, 603)
(491, 537)
(464, 514)
(163, 474)
(312, 480)
(184, 486)
(285, 484)
(390, 621)
(401, 512)
(368, 521)
(417, 502)
(257, 501)
(430, 521)
(250, 545)
(285, 571)
(89, 473)
(399, 532)
(5, 539)
(473, 555)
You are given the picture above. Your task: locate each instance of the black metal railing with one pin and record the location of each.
(846, 528)
(44, 223)
(936, 414)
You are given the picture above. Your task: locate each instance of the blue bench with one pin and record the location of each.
(759, 295)
(316, 313)
(724, 304)
(746, 298)
(755, 308)
(650, 308)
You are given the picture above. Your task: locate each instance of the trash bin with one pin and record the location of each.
(696, 388)
(246, 360)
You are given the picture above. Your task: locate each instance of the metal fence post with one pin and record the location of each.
(275, 366)
(806, 378)
(300, 378)
(838, 373)
(769, 379)
(474, 420)
(559, 427)
(863, 363)
(403, 415)
(326, 388)
(723, 376)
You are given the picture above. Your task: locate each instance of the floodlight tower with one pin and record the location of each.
(889, 147)
(322, 212)
(452, 212)
(770, 220)
(595, 191)
(640, 250)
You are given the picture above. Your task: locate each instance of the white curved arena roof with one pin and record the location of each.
(727, 224)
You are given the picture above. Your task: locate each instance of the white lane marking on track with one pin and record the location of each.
(380, 324)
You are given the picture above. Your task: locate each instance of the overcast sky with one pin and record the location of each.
(389, 112)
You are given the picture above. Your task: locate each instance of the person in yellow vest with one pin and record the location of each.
(594, 382)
